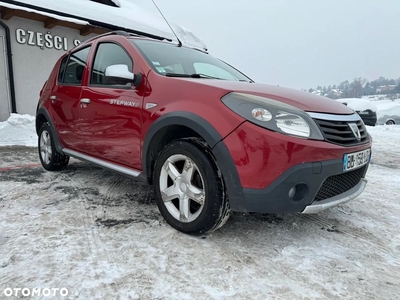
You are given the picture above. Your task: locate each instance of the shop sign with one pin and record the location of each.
(44, 40)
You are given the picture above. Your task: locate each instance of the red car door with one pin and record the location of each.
(110, 114)
(66, 95)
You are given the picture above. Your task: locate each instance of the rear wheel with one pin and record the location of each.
(49, 157)
(189, 188)
(390, 122)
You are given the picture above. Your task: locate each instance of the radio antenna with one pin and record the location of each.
(179, 41)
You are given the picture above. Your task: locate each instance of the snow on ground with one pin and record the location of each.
(379, 98)
(101, 236)
(18, 130)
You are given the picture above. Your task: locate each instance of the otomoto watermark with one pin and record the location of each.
(31, 292)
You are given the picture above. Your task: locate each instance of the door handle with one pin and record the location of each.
(86, 101)
(53, 98)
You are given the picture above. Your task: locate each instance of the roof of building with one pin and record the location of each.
(122, 15)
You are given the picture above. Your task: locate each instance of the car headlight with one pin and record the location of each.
(273, 115)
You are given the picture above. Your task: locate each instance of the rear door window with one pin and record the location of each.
(73, 74)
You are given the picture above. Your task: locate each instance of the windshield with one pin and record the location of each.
(171, 60)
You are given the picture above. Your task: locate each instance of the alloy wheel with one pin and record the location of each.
(182, 188)
(46, 151)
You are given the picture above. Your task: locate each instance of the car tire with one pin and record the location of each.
(390, 122)
(189, 187)
(49, 157)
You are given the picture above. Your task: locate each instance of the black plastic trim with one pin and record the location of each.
(43, 111)
(231, 177)
(213, 139)
(275, 197)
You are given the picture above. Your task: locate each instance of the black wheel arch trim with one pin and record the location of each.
(213, 138)
(43, 111)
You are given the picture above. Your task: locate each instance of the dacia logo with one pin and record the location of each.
(355, 130)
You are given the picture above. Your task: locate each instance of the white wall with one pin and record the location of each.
(33, 63)
(4, 95)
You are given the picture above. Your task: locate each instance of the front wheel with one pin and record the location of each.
(49, 157)
(189, 188)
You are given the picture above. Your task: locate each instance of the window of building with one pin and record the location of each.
(109, 54)
(75, 67)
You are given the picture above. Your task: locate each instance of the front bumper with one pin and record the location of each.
(319, 185)
(269, 165)
(319, 206)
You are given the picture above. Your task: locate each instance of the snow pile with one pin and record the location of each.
(71, 20)
(127, 15)
(358, 104)
(391, 132)
(387, 105)
(18, 130)
(380, 98)
(388, 110)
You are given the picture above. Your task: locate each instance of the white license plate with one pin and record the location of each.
(355, 160)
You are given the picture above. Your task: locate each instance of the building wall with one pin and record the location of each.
(5, 104)
(35, 50)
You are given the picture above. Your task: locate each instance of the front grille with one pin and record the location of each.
(339, 132)
(337, 184)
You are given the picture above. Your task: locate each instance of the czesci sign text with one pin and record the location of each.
(43, 40)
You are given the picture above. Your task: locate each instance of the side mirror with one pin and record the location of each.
(121, 73)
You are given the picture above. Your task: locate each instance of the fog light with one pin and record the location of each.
(292, 192)
(298, 192)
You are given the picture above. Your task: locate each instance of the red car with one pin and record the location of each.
(207, 137)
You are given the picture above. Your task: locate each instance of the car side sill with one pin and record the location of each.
(104, 164)
(319, 206)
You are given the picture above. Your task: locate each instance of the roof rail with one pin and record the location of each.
(117, 32)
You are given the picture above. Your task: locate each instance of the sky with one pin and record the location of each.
(298, 44)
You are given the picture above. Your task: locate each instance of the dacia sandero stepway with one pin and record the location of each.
(207, 137)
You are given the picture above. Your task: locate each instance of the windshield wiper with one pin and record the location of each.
(194, 75)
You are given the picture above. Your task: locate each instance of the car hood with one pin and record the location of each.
(300, 99)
